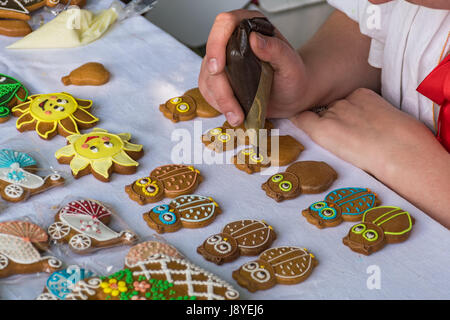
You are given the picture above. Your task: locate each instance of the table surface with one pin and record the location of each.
(148, 67)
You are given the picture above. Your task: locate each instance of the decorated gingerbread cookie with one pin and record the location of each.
(188, 211)
(21, 9)
(100, 153)
(282, 265)
(83, 224)
(170, 181)
(160, 277)
(14, 28)
(379, 226)
(300, 177)
(20, 246)
(12, 92)
(243, 237)
(187, 107)
(18, 178)
(345, 204)
(52, 114)
(89, 74)
(144, 250)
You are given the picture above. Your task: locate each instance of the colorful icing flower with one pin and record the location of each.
(16, 175)
(138, 298)
(114, 287)
(141, 286)
(50, 114)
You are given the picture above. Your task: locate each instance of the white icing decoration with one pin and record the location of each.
(89, 226)
(27, 179)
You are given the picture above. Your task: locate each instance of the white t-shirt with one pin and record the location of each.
(408, 42)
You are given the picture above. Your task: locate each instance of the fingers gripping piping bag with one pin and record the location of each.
(250, 78)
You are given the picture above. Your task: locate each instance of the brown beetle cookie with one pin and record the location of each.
(300, 177)
(83, 225)
(379, 226)
(170, 181)
(188, 211)
(243, 237)
(187, 107)
(89, 74)
(283, 265)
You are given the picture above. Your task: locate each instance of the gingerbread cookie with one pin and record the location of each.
(18, 178)
(54, 113)
(249, 161)
(12, 92)
(243, 237)
(160, 277)
(345, 204)
(283, 265)
(100, 153)
(379, 226)
(89, 74)
(14, 28)
(170, 181)
(20, 243)
(187, 107)
(300, 177)
(188, 211)
(83, 225)
(21, 9)
(144, 250)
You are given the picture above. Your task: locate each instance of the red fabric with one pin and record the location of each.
(437, 87)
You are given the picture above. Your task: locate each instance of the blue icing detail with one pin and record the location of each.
(9, 157)
(59, 282)
(16, 175)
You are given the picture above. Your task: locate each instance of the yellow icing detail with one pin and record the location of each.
(45, 107)
(151, 194)
(215, 131)
(66, 151)
(139, 184)
(183, 107)
(92, 145)
(176, 100)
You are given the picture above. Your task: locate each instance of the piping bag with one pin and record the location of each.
(250, 78)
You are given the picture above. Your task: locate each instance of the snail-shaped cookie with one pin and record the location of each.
(243, 237)
(379, 226)
(345, 204)
(300, 177)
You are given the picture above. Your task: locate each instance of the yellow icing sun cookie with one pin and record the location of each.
(100, 153)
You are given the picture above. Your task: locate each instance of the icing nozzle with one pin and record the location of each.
(133, 8)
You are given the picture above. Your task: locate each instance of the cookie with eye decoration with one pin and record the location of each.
(170, 181)
(300, 177)
(280, 265)
(188, 211)
(379, 226)
(243, 237)
(187, 107)
(344, 204)
(100, 153)
(54, 113)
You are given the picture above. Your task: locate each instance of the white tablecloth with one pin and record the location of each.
(148, 66)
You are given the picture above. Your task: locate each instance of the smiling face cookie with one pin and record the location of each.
(52, 114)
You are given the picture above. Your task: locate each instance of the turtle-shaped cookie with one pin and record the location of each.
(283, 265)
(12, 92)
(243, 237)
(170, 181)
(300, 177)
(188, 211)
(345, 204)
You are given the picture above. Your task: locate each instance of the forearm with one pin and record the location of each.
(336, 61)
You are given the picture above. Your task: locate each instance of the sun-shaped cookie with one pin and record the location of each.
(54, 113)
(100, 153)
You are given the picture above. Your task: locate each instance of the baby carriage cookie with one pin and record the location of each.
(187, 107)
(300, 177)
(12, 92)
(54, 113)
(18, 180)
(379, 226)
(83, 225)
(160, 277)
(100, 153)
(20, 243)
(170, 181)
(283, 265)
(188, 211)
(243, 237)
(345, 204)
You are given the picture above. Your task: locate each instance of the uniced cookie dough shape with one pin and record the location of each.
(243, 237)
(379, 226)
(89, 74)
(187, 211)
(100, 153)
(187, 107)
(300, 177)
(280, 265)
(12, 92)
(54, 113)
(345, 204)
(20, 246)
(169, 181)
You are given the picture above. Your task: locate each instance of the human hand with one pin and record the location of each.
(289, 83)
